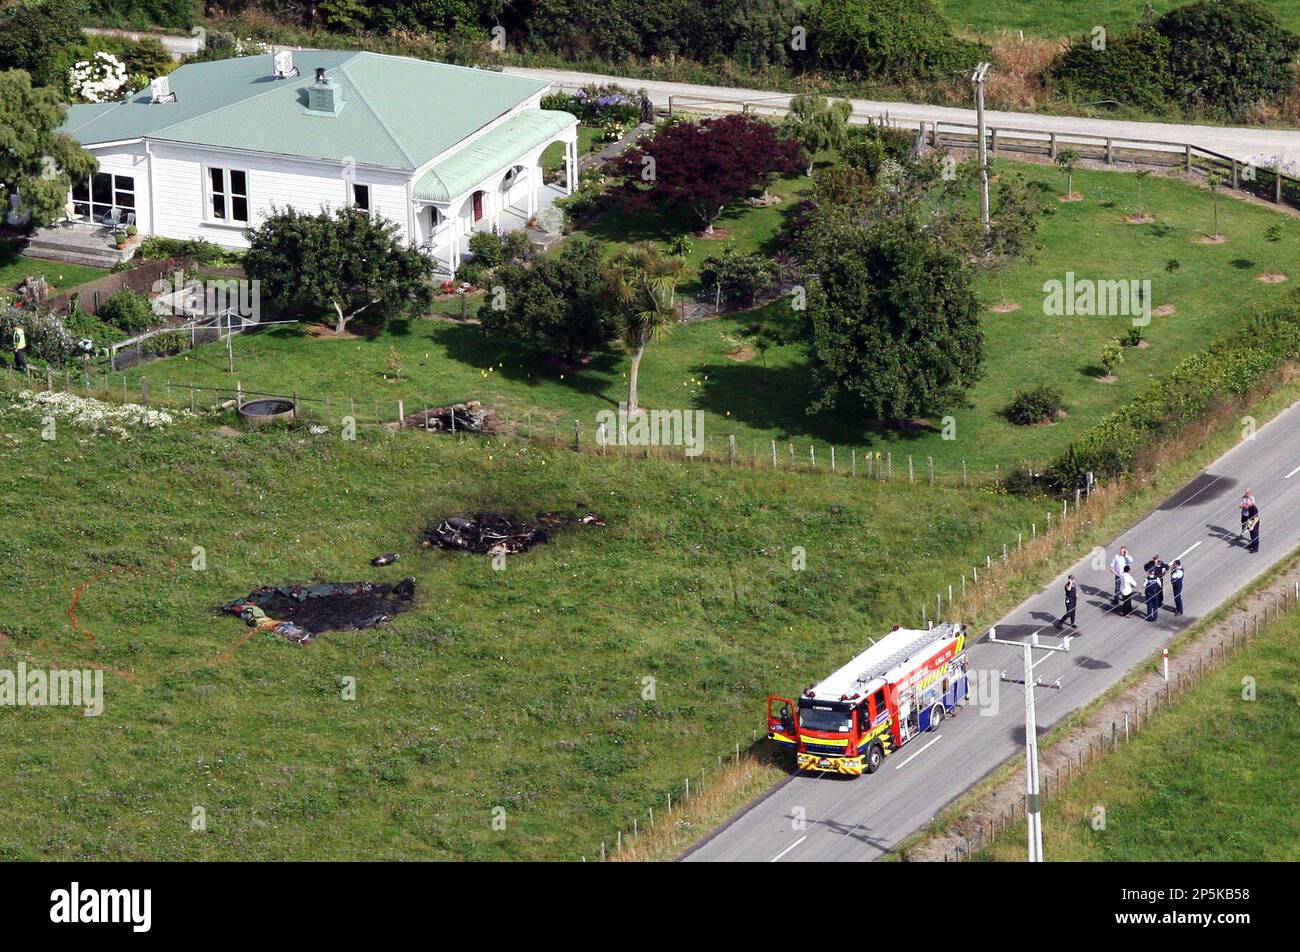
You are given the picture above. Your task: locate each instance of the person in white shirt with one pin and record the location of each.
(1127, 586)
(1121, 561)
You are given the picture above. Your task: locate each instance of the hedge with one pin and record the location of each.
(1231, 367)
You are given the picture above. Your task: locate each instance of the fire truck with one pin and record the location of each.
(902, 686)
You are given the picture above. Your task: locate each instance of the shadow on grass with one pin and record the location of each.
(467, 344)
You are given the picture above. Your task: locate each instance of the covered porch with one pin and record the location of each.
(494, 184)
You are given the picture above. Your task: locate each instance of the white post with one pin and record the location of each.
(978, 78)
(1033, 818)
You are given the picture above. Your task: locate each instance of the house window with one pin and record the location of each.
(228, 195)
(97, 196)
(361, 196)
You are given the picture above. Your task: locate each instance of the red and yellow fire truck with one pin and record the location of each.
(903, 685)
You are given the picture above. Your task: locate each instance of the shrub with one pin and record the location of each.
(47, 337)
(1228, 53)
(1040, 404)
(472, 272)
(1229, 367)
(492, 250)
(1112, 355)
(195, 249)
(1132, 68)
(128, 311)
(869, 146)
(166, 344)
(890, 40)
(740, 276)
(1132, 337)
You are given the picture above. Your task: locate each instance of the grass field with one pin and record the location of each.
(14, 267)
(1210, 779)
(1214, 290)
(1063, 17)
(519, 688)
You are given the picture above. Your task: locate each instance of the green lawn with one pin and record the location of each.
(519, 688)
(588, 141)
(14, 267)
(763, 399)
(1210, 779)
(1059, 17)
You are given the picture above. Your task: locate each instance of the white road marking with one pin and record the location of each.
(1185, 551)
(788, 848)
(1292, 473)
(919, 752)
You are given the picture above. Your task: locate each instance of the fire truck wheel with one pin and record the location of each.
(875, 754)
(936, 716)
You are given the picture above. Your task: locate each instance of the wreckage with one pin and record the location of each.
(471, 417)
(301, 612)
(491, 533)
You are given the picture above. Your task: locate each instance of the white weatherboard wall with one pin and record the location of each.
(181, 190)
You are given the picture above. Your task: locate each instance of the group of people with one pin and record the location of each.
(1152, 588)
(1153, 585)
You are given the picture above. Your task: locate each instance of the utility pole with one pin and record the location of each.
(977, 78)
(1033, 806)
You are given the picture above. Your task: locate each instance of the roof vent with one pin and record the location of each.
(160, 90)
(284, 64)
(324, 97)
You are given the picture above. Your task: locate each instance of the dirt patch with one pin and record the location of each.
(1109, 725)
(742, 355)
(1004, 307)
(718, 234)
(1271, 277)
(492, 533)
(764, 201)
(1139, 219)
(227, 432)
(1106, 378)
(1164, 310)
(1210, 240)
(301, 612)
(325, 332)
(1143, 344)
(1072, 197)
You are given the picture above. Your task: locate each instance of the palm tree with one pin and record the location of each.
(641, 283)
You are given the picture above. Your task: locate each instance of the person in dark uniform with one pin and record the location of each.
(20, 348)
(1152, 590)
(1252, 526)
(1246, 504)
(1176, 580)
(1071, 602)
(1161, 570)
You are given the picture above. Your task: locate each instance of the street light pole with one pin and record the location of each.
(977, 78)
(1033, 803)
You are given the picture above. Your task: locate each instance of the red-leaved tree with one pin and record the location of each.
(702, 166)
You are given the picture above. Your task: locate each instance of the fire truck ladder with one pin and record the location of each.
(939, 631)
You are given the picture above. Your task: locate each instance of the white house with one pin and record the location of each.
(209, 151)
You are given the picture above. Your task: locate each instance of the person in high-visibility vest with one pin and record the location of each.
(20, 348)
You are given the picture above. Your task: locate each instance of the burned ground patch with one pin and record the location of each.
(301, 612)
(493, 533)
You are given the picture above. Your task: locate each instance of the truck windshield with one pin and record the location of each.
(831, 722)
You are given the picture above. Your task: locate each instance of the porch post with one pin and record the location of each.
(570, 166)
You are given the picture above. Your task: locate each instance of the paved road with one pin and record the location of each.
(1258, 146)
(859, 819)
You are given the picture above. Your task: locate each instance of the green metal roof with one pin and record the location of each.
(398, 112)
(493, 152)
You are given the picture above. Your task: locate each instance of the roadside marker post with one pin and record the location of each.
(1165, 654)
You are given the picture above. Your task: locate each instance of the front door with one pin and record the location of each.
(478, 206)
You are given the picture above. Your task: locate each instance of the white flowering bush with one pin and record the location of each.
(247, 46)
(111, 419)
(47, 337)
(102, 78)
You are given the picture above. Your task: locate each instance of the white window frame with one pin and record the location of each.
(228, 195)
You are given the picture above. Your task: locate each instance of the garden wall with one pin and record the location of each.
(88, 297)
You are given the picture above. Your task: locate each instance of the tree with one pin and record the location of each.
(1112, 355)
(1229, 54)
(36, 160)
(890, 40)
(701, 166)
(1142, 175)
(345, 261)
(31, 36)
(555, 306)
(892, 319)
(1066, 159)
(1214, 179)
(640, 284)
(817, 124)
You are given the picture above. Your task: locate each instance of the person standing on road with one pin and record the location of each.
(1071, 602)
(1252, 526)
(1118, 564)
(1161, 570)
(1127, 587)
(1248, 508)
(1152, 591)
(1176, 580)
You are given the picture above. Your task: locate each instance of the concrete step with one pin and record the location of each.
(101, 257)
